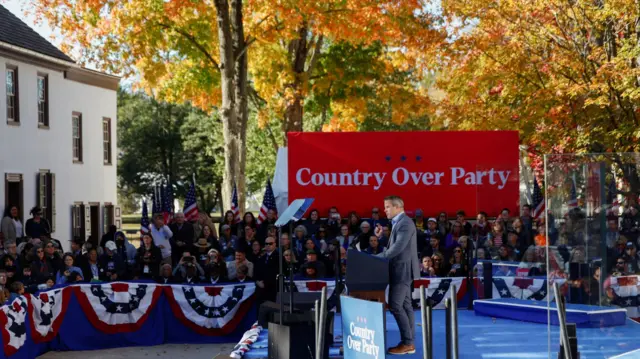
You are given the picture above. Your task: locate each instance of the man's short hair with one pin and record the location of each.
(241, 250)
(461, 213)
(528, 206)
(178, 214)
(483, 213)
(395, 201)
(158, 216)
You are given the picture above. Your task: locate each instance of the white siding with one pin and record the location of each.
(26, 149)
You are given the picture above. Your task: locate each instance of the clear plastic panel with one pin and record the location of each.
(593, 227)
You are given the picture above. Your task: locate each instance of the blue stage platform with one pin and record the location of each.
(584, 316)
(483, 337)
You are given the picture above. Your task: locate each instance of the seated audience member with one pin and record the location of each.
(127, 252)
(4, 291)
(207, 233)
(313, 223)
(201, 251)
(228, 243)
(112, 267)
(503, 271)
(26, 278)
(285, 242)
(310, 244)
(345, 238)
(41, 268)
(256, 252)
(214, 274)
(515, 250)
(451, 241)
(386, 234)
(17, 290)
(354, 223)
(504, 254)
(191, 273)
(215, 259)
(166, 275)
(426, 267)
(91, 271)
(310, 271)
(434, 245)
(242, 274)
(63, 274)
(291, 264)
(180, 271)
(444, 226)
(457, 264)
(9, 265)
(481, 228)
(464, 224)
(299, 238)
(321, 238)
(362, 242)
(229, 220)
(182, 239)
(240, 259)
(53, 257)
(79, 259)
(439, 265)
(312, 260)
(148, 258)
(374, 245)
(541, 238)
(249, 237)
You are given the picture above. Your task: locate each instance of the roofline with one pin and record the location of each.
(72, 71)
(35, 54)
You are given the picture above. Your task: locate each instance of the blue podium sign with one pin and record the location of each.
(363, 328)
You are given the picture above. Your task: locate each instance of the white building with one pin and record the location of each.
(57, 135)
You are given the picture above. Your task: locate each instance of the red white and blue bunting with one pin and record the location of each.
(47, 311)
(521, 288)
(210, 310)
(315, 286)
(244, 345)
(625, 292)
(118, 307)
(13, 325)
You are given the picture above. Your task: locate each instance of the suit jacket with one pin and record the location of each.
(402, 252)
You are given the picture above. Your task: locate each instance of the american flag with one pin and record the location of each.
(234, 205)
(190, 204)
(167, 204)
(573, 200)
(269, 202)
(144, 222)
(538, 200)
(612, 197)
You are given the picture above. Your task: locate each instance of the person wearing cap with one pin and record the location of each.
(228, 243)
(631, 257)
(418, 219)
(201, 251)
(36, 226)
(161, 237)
(312, 260)
(112, 266)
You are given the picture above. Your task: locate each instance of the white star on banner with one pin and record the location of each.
(192, 301)
(119, 308)
(440, 291)
(216, 312)
(206, 312)
(188, 289)
(95, 289)
(628, 301)
(543, 293)
(225, 309)
(503, 292)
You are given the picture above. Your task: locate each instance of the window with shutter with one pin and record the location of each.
(13, 106)
(76, 125)
(43, 101)
(77, 221)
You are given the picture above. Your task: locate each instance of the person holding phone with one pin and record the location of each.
(64, 274)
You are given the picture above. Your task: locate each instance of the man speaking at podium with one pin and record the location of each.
(403, 269)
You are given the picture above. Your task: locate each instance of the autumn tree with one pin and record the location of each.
(206, 52)
(565, 74)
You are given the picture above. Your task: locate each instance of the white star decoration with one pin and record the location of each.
(206, 312)
(234, 299)
(225, 309)
(628, 301)
(503, 292)
(119, 308)
(543, 293)
(187, 289)
(134, 299)
(95, 289)
(192, 301)
(216, 312)
(440, 291)
(103, 299)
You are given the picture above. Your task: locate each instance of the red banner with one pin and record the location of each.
(435, 171)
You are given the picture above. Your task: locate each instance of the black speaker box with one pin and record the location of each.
(296, 339)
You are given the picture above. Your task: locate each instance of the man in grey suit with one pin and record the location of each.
(403, 269)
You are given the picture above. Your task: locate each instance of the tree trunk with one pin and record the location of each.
(242, 107)
(298, 52)
(228, 113)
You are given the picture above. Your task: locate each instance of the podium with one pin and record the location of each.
(367, 276)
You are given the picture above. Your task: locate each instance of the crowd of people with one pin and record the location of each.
(201, 252)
